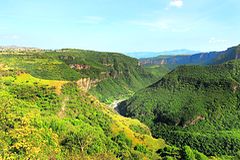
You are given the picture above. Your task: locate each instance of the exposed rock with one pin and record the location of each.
(2, 65)
(104, 75)
(113, 74)
(86, 83)
(108, 64)
(196, 59)
(181, 59)
(235, 88)
(194, 121)
(67, 57)
(18, 48)
(79, 66)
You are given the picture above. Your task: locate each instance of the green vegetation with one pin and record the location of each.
(186, 153)
(158, 70)
(47, 113)
(112, 75)
(36, 122)
(230, 54)
(195, 106)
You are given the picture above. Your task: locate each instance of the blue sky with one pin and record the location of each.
(121, 25)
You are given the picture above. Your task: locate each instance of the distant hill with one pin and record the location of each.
(195, 59)
(17, 48)
(194, 105)
(108, 76)
(155, 54)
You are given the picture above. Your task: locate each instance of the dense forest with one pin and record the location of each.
(54, 105)
(193, 105)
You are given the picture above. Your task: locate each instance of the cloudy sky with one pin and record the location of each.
(121, 25)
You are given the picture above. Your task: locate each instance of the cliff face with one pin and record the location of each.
(201, 58)
(196, 59)
(79, 66)
(84, 83)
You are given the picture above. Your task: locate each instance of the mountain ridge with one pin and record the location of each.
(195, 59)
(191, 104)
(148, 54)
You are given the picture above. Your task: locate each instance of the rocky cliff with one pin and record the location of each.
(196, 59)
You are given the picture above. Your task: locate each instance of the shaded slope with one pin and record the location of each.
(193, 105)
(195, 59)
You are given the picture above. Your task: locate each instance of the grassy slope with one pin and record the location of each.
(119, 75)
(194, 105)
(158, 70)
(42, 119)
(54, 119)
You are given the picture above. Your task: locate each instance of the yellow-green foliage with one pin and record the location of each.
(26, 141)
(44, 115)
(123, 124)
(26, 78)
(31, 126)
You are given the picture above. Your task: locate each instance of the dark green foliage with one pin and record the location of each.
(215, 143)
(230, 54)
(184, 153)
(170, 151)
(122, 141)
(140, 148)
(159, 70)
(193, 105)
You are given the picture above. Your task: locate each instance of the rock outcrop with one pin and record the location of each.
(79, 66)
(195, 59)
(86, 83)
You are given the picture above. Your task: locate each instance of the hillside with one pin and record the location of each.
(56, 119)
(108, 76)
(193, 105)
(158, 70)
(49, 119)
(194, 59)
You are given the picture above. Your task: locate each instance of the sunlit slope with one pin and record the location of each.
(106, 75)
(45, 119)
(55, 119)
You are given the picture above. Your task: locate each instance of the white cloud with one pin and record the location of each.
(214, 40)
(176, 3)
